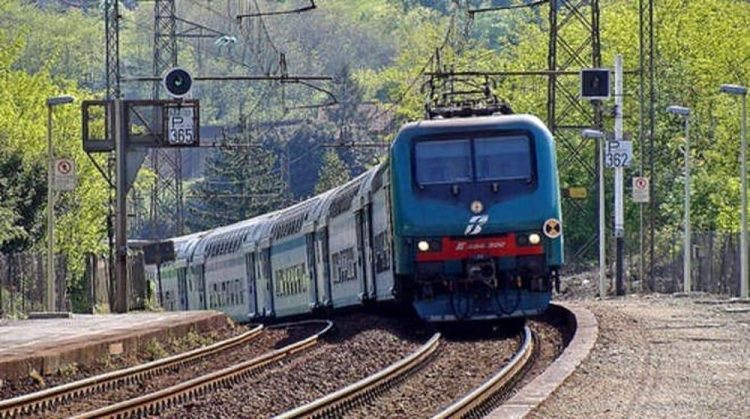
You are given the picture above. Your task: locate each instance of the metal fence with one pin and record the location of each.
(23, 284)
(715, 263)
(98, 288)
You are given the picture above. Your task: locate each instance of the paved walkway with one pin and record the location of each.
(47, 344)
(659, 357)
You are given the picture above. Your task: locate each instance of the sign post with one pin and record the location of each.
(641, 189)
(64, 178)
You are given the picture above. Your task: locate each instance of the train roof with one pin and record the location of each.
(475, 122)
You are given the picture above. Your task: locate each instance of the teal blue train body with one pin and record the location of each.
(476, 219)
(462, 223)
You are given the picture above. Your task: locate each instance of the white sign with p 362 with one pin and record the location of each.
(618, 154)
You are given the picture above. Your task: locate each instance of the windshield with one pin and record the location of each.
(502, 158)
(443, 161)
(495, 158)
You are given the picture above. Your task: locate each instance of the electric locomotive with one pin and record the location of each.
(476, 217)
(462, 222)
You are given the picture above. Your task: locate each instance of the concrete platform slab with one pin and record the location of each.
(658, 356)
(47, 344)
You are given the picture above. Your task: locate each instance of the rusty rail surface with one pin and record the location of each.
(41, 400)
(335, 404)
(153, 403)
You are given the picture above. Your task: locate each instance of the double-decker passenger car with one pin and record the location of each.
(462, 222)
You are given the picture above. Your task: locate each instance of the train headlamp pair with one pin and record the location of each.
(525, 239)
(428, 245)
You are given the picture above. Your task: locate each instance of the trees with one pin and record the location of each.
(332, 173)
(23, 151)
(239, 183)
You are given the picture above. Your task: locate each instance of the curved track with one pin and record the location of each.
(475, 404)
(339, 402)
(154, 402)
(41, 400)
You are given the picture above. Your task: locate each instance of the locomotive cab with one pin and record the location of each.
(476, 216)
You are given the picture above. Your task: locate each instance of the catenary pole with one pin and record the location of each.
(121, 250)
(744, 285)
(50, 215)
(687, 265)
(619, 211)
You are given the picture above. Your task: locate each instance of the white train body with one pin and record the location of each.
(330, 251)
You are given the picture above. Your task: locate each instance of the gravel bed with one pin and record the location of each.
(150, 352)
(553, 335)
(268, 340)
(362, 345)
(460, 365)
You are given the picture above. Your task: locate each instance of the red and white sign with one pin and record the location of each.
(456, 249)
(64, 176)
(640, 189)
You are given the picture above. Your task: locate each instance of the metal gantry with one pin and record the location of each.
(166, 215)
(567, 115)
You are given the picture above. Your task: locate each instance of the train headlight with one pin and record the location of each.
(534, 238)
(423, 246)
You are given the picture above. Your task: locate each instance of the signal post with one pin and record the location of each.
(160, 123)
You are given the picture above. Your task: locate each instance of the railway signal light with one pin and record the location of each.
(178, 82)
(595, 84)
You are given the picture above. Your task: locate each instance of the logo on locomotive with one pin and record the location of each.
(475, 225)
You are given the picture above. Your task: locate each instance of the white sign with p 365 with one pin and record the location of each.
(181, 127)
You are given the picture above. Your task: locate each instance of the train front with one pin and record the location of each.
(476, 215)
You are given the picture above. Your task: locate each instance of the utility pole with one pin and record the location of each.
(121, 240)
(619, 210)
(741, 91)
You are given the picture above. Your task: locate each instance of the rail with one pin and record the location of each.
(497, 383)
(334, 403)
(154, 402)
(45, 399)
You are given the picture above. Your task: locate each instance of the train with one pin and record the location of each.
(460, 223)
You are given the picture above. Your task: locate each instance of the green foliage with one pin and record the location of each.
(22, 199)
(239, 183)
(68, 46)
(23, 146)
(332, 173)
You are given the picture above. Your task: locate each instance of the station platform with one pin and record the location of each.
(661, 356)
(47, 344)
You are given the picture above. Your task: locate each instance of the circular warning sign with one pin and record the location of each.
(64, 167)
(552, 228)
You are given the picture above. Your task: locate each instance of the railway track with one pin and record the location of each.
(337, 404)
(42, 400)
(481, 400)
(154, 402)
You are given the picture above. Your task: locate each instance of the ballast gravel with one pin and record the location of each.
(71, 373)
(268, 340)
(362, 345)
(463, 364)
